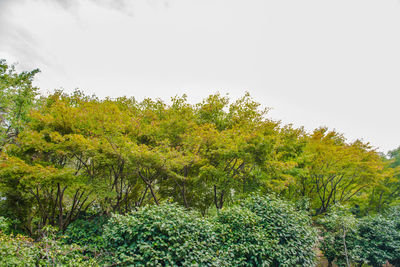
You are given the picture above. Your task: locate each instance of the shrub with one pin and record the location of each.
(373, 240)
(23, 251)
(87, 234)
(394, 216)
(293, 236)
(4, 224)
(17, 251)
(340, 228)
(379, 240)
(243, 240)
(165, 235)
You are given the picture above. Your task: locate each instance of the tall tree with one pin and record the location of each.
(339, 172)
(17, 96)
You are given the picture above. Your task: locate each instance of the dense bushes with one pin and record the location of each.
(165, 235)
(289, 228)
(261, 232)
(23, 251)
(374, 240)
(258, 231)
(17, 251)
(87, 233)
(379, 240)
(243, 241)
(339, 237)
(4, 224)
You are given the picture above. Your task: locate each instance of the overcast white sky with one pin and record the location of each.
(315, 62)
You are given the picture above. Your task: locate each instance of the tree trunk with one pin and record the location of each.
(218, 203)
(345, 247)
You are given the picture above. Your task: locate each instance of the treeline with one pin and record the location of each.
(69, 156)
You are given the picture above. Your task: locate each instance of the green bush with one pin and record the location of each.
(87, 234)
(340, 227)
(394, 216)
(23, 251)
(332, 247)
(17, 251)
(165, 235)
(373, 240)
(4, 224)
(262, 231)
(293, 237)
(243, 240)
(380, 240)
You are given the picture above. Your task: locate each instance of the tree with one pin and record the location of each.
(17, 97)
(236, 145)
(336, 171)
(58, 196)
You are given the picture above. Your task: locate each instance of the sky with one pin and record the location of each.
(333, 63)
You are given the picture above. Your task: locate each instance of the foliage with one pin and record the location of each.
(262, 232)
(338, 172)
(4, 224)
(46, 187)
(87, 233)
(17, 251)
(243, 240)
(294, 239)
(393, 215)
(379, 240)
(161, 235)
(372, 239)
(340, 241)
(20, 250)
(64, 156)
(17, 96)
(115, 155)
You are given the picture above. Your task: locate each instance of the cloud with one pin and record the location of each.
(121, 5)
(21, 44)
(18, 42)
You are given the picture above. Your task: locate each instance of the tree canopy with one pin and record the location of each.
(66, 156)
